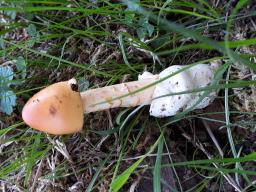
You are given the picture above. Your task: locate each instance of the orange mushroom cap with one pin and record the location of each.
(57, 109)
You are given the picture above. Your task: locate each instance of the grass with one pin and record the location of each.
(103, 42)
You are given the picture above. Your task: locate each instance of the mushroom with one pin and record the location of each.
(58, 109)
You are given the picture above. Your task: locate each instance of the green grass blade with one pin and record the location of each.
(157, 168)
(232, 44)
(122, 46)
(122, 179)
(95, 176)
(190, 13)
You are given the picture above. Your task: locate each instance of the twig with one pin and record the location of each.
(38, 173)
(134, 185)
(173, 168)
(111, 126)
(213, 138)
(199, 145)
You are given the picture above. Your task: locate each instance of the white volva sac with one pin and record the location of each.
(197, 76)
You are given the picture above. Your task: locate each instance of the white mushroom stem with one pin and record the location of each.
(127, 94)
(104, 98)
